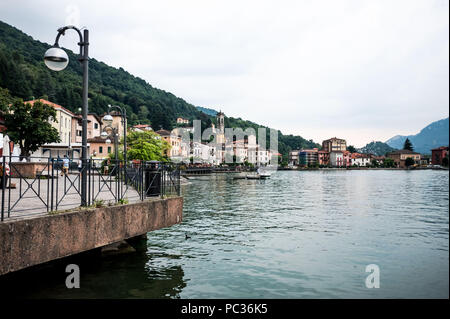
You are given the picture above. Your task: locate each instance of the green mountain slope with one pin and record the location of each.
(376, 148)
(24, 74)
(207, 111)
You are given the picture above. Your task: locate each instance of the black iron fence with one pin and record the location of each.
(54, 184)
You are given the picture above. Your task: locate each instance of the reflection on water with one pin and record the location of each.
(296, 235)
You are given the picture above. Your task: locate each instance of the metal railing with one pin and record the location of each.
(45, 185)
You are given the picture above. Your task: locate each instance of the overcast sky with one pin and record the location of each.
(359, 70)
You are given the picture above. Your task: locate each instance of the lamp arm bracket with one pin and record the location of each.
(82, 43)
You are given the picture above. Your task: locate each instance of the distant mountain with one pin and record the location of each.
(432, 136)
(376, 148)
(207, 111)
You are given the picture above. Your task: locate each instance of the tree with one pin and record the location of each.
(445, 161)
(389, 162)
(351, 149)
(29, 126)
(146, 146)
(143, 115)
(409, 162)
(408, 145)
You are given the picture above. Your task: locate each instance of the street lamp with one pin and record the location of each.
(107, 137)
(56, 59)
(108, 119)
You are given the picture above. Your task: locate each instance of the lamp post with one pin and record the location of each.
(113, 134)
(108, 119)
(56, 59)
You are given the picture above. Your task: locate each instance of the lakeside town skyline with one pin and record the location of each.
(238, 148)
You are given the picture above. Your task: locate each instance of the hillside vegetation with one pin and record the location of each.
(24, 74)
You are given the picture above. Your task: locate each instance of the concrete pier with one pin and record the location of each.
(33, 241)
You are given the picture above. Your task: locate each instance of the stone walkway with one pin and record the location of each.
(31, 196)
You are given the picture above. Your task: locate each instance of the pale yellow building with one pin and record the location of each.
(334, 145)
(174, 141)
(63, 124)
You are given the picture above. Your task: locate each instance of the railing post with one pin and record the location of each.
(53, 183)
(48, 182)
(141, 179)
(89, 173)
(3, 188)
(179, 182)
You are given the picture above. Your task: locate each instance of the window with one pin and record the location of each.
(96, 125)
(100, 149)
(109, 149)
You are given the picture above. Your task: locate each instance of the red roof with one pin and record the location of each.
(54, 105)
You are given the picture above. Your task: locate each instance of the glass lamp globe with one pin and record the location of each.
(104, 135)
(108, 141)
(56, 59)
(107, 119)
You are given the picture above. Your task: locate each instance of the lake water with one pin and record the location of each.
(297, 235)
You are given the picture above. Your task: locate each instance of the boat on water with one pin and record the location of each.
(260, 174)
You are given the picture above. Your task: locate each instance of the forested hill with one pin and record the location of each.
(377, 148)
(24, 74)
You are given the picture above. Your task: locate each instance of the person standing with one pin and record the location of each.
(80, 166)
(65, 168)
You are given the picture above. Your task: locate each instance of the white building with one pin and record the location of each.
(360, 159)
(203, 153)
(337, 158)
(141, 128)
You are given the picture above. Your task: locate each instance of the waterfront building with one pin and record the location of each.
(360, 159)
(324, 157)
(400, 157)
(293, 157)
(438, 154)
(203, 153)
(425, 160)
(347, 156)
(337, 158)
(219, 139)
(334, 144)
(308, 157)
(240, 151)
(174, 141)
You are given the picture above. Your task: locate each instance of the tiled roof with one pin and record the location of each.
(97, 139)
(54, 105)
(442, 148)
(163, 132)
(403, 152)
